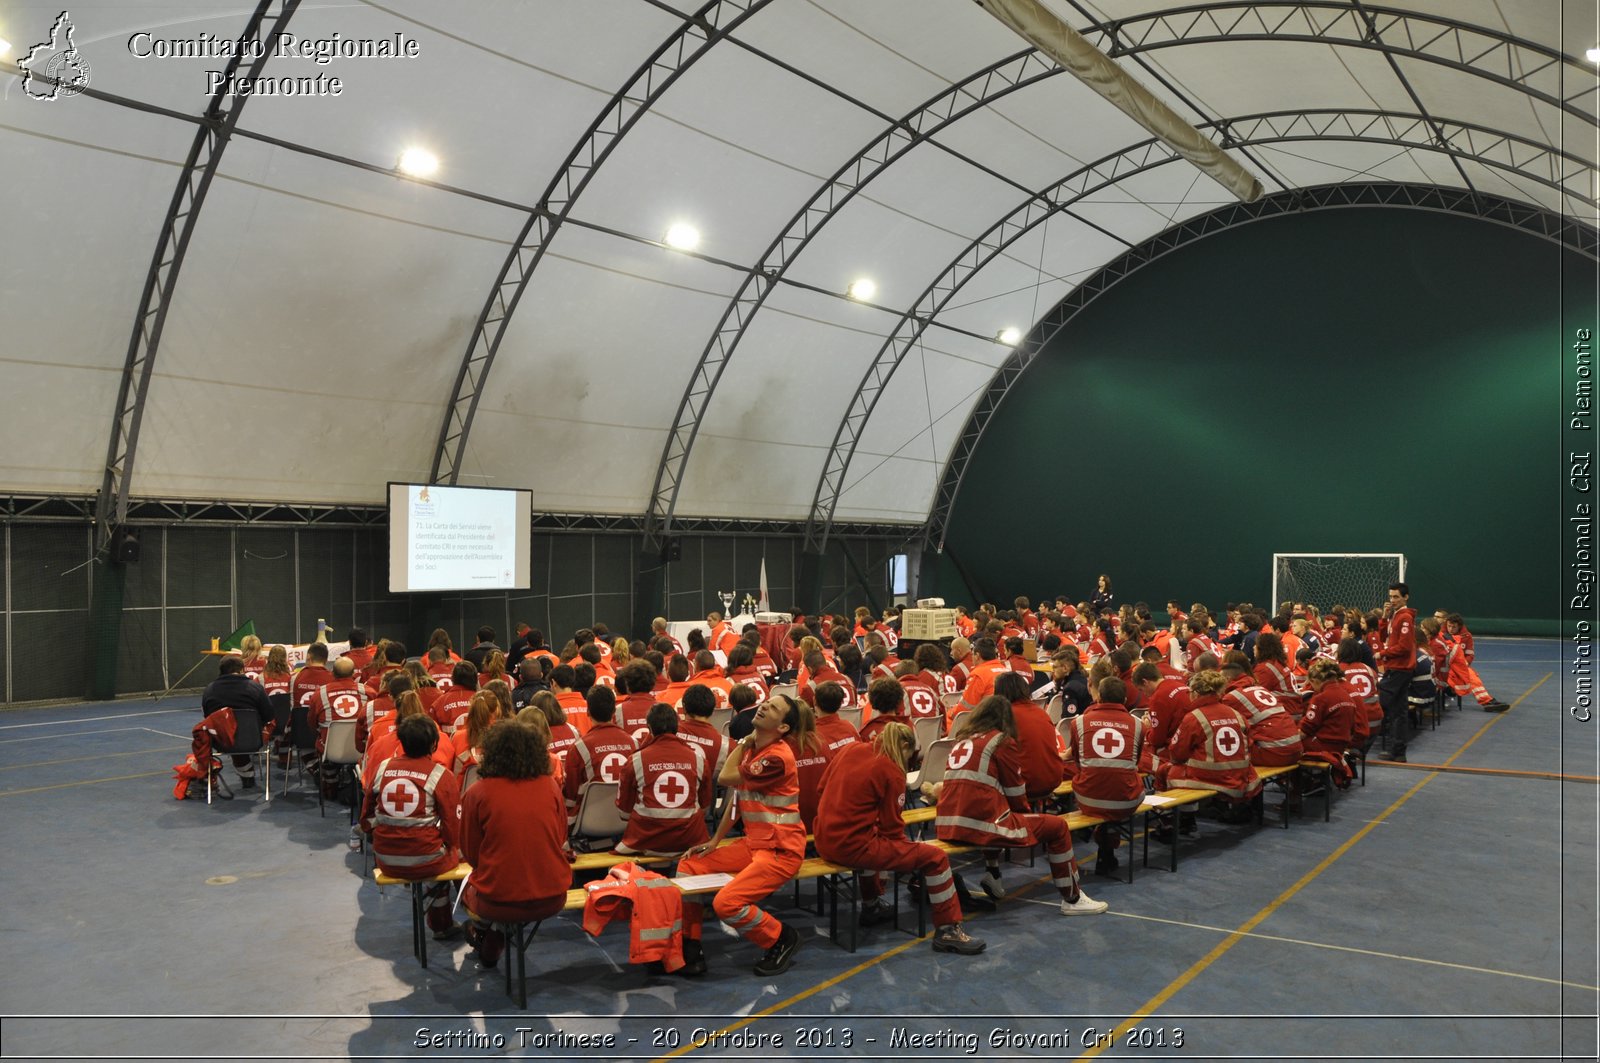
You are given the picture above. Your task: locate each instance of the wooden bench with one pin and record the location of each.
(419, 907)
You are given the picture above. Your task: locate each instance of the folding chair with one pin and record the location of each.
(246, 743)
(720, 718)
(927, 732)
(1052, 709)
(302, 738)
(598, 817)
(853, 714)
(340, 751)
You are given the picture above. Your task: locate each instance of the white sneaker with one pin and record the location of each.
(1083, 906)
(990, 884)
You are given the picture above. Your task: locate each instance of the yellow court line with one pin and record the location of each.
(1222, 947)
(1361, 952)
(74, 760)
(84, 782)
(835, 980)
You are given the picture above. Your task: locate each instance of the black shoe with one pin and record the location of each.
(247, 782)
(1188, 826)
(694, 959)
(1496, 706)
(1164, 835)
(1107, 866)
(876, 914)
(1394, 757)
(953, 939)
(780, 957)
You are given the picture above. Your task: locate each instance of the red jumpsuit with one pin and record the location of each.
(773, 846)
(450, 706)
(1211, 751)
(303, 688)
(1363, 684)
(1328, 723)
(828, 674)
(981, 683)
(836, 731)
(342, 699)
(712, 742)
(984, 802)
(1452, 670)
(811, 765)
(1167, 705)
(632, 710)
(1039, 750)
(922, 696)
(665, 788)
(859, 825)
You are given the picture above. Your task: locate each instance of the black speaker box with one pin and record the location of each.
(672, 550)
(125, 545)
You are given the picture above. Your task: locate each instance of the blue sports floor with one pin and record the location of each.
(1441, 914)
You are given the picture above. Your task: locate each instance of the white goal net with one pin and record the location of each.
(1360, 581)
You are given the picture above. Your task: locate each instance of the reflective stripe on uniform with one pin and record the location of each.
(408, 861)
(997, 829)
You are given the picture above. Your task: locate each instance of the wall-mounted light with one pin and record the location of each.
(683, 236)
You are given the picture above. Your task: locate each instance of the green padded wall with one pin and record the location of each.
(1356, 380)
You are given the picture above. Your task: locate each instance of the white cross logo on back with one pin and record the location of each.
(1108, 742)
(400, 798)
(671, 789)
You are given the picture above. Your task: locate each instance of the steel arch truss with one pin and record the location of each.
(678, 53)
(205, 154)
(1523, 65)
(1517, 63)
(983, 88)
(1562, 171)
(1536, 221)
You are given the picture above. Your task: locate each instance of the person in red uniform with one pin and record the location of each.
(980, 801)
(441, 667)
(411, 811)
(1329, 721)
(742, 669)
(1272, 669)
(564, 684)
(767, 799)
(665, 790)
(361, 651)
(962, 662)
(1363, 684)
(1040, 748)
(635, 680)
(1105, 745)
(708, 673)
(811, 756)
(1199, 641)
(1211, 748)
(1451, 670)
(1397, 662)
(1274, 735)
(887, 699)
(819, 670)
(1166, 701)
(1456, 627)
(694, 725)
(600, 753)
(385, 739)
(467, 743)
(307, 681)
(513, 833)
(859, 824)
(453, 703)
(836, 731)
(344, 698)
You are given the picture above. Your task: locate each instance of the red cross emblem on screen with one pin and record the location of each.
(1108, 743)
(671, 789)
(399, 798)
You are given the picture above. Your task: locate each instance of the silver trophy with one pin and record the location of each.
(727, 603)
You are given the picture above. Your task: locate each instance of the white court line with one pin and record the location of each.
(91, 719)
(166, 734)
(70, 734)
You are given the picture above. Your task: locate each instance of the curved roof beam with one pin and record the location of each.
(1495, 56)
(1536, 221)
(194, 181)
(1564, 172)
(694, 38)
(978, 91)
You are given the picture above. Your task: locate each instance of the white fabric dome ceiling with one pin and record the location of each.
(323, 311)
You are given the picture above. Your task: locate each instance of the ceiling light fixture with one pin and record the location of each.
(418, 162)
(1593, 55)
(1010, 335)
(862, 289)
(683, 236)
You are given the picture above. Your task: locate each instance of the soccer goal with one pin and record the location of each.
(1360, 581)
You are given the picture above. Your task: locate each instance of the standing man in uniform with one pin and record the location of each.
(1397, 661)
